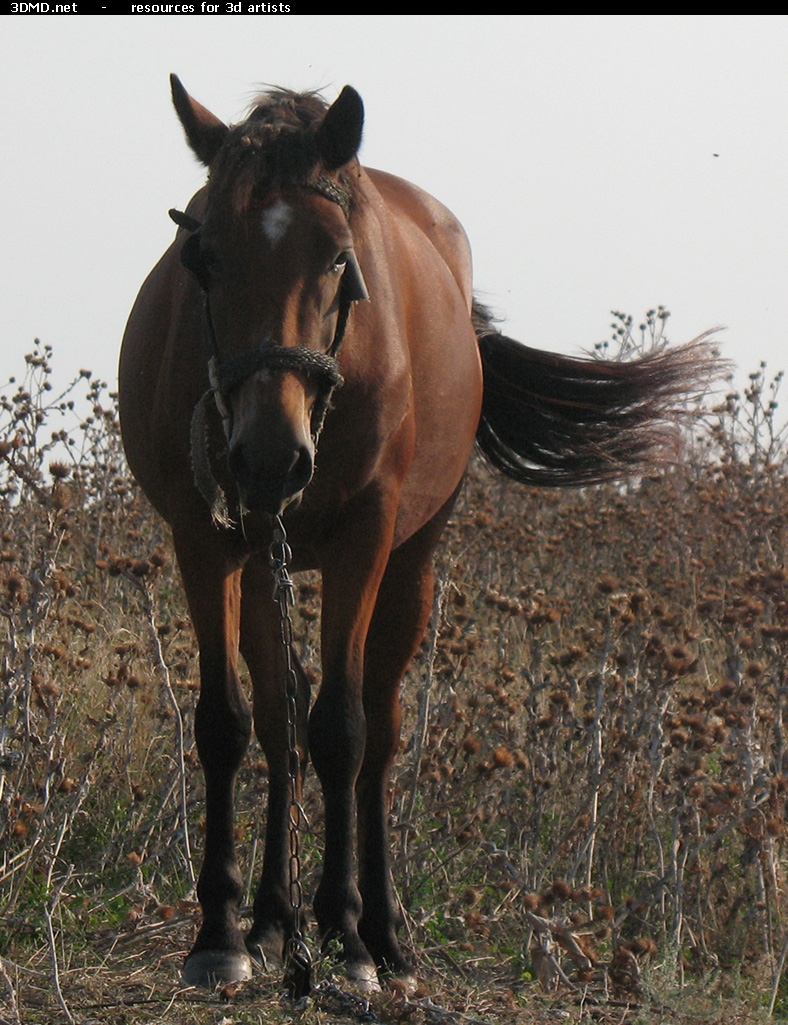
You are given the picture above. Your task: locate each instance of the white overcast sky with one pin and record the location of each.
(597, 162)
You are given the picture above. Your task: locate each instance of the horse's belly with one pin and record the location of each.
(447, 416)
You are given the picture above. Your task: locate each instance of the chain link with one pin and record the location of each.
(298, 966)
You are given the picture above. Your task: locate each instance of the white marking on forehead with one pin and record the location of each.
(276, 220)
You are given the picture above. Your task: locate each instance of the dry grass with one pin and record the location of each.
(593, 773)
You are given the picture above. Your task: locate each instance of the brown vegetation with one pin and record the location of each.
(589, 807)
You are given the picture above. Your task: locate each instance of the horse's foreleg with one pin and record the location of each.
(401, 616)
(261, 647)
(222, 728)
(353, 565)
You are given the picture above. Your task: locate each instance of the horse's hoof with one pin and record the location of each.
(266, 953)
(401, 983)
(363, 976)
(211, 968)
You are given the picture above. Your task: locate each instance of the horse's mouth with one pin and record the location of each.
(273, 501)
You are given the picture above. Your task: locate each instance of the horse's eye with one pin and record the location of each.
(339, 264)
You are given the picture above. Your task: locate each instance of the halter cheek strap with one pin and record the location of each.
(226, 373)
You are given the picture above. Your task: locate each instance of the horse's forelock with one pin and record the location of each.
(284, 106)
(275, 146)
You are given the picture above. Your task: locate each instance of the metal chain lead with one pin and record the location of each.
(298, 960)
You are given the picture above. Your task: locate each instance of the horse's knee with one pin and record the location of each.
(337, 737)
(222, 730)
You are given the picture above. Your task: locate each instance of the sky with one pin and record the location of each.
(597, 163)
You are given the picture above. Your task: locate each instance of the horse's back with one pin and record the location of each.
(437, 222)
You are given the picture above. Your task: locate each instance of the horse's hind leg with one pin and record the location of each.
(222, 726)
(261, 647)
(401, 616)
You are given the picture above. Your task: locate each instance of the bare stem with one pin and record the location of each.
(49, 911)
(150, 609)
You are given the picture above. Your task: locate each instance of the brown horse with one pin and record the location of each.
(308, 298)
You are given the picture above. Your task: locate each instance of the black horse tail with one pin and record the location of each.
(559, 421)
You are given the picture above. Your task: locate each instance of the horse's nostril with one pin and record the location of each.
(270, 480)
(301, 473)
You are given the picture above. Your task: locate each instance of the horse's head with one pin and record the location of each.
(274, 257)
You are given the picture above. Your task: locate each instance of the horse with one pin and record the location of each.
(308, 356)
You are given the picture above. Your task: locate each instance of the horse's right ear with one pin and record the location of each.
(205, 133)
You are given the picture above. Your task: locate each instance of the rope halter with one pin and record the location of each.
(227, 372)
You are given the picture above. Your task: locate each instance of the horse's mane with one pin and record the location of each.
(276, 145)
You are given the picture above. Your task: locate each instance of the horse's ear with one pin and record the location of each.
(205, 133)
(339, 135)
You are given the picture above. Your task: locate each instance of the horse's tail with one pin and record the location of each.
(561, 421)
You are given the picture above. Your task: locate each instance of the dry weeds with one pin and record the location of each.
(589, 806)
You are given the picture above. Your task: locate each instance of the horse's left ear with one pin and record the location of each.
(339, 135)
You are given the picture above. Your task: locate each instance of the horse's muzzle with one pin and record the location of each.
(270, 482)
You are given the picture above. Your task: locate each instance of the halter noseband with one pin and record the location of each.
(227, 372)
